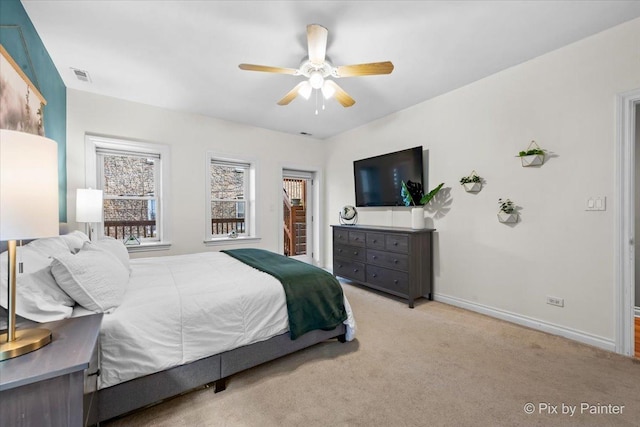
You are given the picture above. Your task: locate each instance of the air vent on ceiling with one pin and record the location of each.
(305, 133)
(82, 75)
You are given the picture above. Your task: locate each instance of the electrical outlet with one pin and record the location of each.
(555, 301)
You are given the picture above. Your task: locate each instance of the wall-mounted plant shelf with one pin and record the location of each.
(532, 156)
(507, 218)
(507, 212)
(472, 183)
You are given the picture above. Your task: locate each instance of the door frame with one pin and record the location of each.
(624, 254)
(315, 211)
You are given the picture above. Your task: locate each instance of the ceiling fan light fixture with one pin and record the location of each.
(316, 68)
(305, 90)
(316, 80)
(327, 90)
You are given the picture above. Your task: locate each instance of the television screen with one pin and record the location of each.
(378, 180)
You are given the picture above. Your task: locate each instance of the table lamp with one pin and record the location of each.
(28, 210)
(88, 207)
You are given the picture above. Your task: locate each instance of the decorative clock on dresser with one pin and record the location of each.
(394, 260)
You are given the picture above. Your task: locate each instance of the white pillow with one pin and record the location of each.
(38, 296)
(50, 246)
(95, 279)
(113, 246)
(75, 240)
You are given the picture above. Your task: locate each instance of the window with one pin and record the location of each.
(131, 176)
(229, 205)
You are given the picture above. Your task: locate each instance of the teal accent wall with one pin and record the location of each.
(20, 39)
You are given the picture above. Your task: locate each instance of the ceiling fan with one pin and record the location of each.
(317, 69)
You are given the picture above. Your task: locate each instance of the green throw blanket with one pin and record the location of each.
(314, 297)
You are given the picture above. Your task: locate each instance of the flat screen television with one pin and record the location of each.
(378, 180)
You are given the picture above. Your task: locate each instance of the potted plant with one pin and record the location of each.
(532, 156)
(412, 195)
(507, 212)
(471, 183)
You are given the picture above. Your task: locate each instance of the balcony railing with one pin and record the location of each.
(147, 229)
(225, 225)
(123, 229)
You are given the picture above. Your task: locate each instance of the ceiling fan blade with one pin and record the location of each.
(370, 69)
(340, 95)
(317, 43)
(268, 69)
(290, 96)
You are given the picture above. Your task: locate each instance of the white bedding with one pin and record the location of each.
(178, 309)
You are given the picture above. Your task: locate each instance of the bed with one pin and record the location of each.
(179, 322)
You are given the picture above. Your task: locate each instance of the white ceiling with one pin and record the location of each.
(184, 55)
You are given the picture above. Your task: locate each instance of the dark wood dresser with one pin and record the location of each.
(394, 260)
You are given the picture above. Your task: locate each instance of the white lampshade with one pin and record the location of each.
(88, 205)
(328, 90)
(305, 90)
(28, 186)
(316, 80)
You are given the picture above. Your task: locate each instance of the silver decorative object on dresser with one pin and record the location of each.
(394, 260)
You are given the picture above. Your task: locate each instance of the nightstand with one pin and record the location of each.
(46, 387)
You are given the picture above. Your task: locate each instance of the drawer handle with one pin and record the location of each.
(375, 257)
(355, 270)
(355, 252)
(375, 241)
(375, 275)
(340, 250)
(395, 282)
(356, 238)
(395, 261)
(339, 265)
(395, 243)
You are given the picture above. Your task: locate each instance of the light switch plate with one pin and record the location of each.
(596, 203)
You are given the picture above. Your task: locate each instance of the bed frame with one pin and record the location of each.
(151, 389)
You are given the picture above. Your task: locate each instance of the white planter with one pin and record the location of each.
(505, 217)
(417, 218)
(532, 160)
(472, 187)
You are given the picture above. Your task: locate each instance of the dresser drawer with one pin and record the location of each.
(340, 236)
(375, 240)
(391, 280)
(355, 253)
(357, 238)
(348, 269)
(396, 243)
(395, 261)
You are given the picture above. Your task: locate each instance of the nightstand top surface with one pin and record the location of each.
(70, 350)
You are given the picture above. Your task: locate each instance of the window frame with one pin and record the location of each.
(250, 234)
(92, 180)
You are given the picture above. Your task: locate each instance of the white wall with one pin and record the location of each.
(190, 137)
(565, 101)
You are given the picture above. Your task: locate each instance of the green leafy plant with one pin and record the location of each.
(531, 152)
(470, 179)
(506, 206)
(413, 191)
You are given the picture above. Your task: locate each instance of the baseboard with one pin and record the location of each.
(529, 322)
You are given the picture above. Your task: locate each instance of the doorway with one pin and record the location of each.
(297, 214)
(636, 310)
(627, 181)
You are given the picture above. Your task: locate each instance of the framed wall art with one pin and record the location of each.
(21, 103)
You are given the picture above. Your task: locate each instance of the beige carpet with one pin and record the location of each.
(435, 365)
